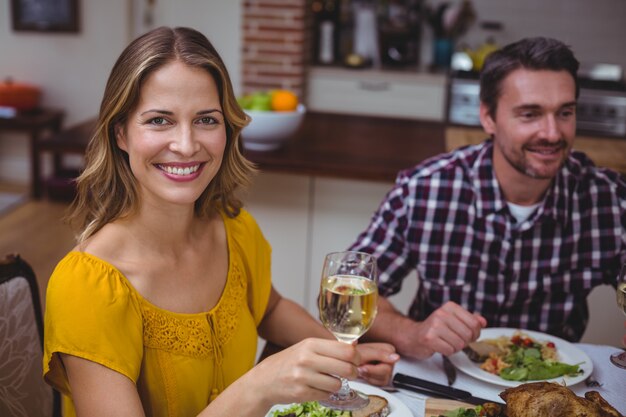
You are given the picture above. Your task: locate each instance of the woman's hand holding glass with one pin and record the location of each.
(303, 372)
(348, 305)
(377, 362)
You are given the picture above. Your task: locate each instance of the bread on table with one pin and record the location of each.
(378, 407)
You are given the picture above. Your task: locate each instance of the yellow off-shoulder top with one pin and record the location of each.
(179, 362)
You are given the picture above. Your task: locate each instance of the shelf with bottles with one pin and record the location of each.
(366, 33)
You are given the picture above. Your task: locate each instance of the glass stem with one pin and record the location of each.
(344, 392)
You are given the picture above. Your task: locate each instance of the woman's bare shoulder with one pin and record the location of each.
(108, 243)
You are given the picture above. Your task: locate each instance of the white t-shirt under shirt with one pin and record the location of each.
(521, 213)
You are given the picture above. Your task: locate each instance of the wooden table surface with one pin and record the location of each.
(34, 119)
(35, 123)
(354, 147)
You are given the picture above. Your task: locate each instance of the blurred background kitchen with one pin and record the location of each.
(409, 60)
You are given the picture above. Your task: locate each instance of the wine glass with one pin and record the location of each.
(619, 359)
(348, 305)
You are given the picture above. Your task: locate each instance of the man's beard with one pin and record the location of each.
(521, 164)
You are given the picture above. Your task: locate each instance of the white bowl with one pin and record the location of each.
(268, 130)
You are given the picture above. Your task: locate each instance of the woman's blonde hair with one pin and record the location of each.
(107, 189)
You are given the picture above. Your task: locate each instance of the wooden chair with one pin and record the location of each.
(23, 392)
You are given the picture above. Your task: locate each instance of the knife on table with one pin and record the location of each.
(433, 389)
(449, 369)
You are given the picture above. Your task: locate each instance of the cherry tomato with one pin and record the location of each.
(550, 345)
(516, 340)
(528, 342)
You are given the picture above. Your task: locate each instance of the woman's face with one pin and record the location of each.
(176, 136)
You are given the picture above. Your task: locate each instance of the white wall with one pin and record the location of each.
(306, 219)
(219, 20)
(72, 68)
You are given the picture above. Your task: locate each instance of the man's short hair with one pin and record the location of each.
(530, 53)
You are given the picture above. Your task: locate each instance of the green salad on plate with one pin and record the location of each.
(309, 409)
(521, 358)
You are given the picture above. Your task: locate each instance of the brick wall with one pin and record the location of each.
(275, 45)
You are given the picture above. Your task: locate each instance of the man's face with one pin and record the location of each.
(534, 125)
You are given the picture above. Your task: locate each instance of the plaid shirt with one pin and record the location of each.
(448, 219)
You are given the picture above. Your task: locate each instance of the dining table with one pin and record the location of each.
(611, 378)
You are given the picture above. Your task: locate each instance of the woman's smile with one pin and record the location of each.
(181, 171)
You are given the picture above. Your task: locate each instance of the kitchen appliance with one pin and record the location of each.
(463, 98)
(601, 107)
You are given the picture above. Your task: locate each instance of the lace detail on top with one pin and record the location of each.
(198, 335)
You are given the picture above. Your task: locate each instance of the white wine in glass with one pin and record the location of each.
(348, 305)
(619, 359)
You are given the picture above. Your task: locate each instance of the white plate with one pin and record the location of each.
(568, 353)
(396, 407)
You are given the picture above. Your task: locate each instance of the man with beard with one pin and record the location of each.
(513, 232)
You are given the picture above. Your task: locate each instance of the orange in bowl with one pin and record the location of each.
(283, 100)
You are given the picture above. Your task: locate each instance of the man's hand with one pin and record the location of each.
(447, 330)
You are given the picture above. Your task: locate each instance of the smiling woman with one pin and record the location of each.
(158, 308)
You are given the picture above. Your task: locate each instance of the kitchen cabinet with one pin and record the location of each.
(304, 218)
(341, 209)
(281, 206)
(401, 94)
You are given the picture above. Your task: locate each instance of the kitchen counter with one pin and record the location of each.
(353, 147)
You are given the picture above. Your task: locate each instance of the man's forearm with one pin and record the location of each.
(446, 330)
